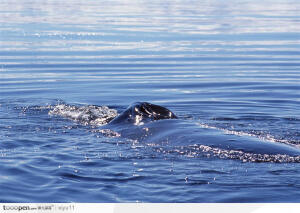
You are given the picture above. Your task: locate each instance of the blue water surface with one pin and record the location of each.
(230, 70)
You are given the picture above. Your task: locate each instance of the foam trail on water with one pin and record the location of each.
(198, 150)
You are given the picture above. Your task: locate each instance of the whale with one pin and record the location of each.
(147, 123)
(140, 112)
(178, 132)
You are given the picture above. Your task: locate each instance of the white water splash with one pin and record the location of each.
(86, 115)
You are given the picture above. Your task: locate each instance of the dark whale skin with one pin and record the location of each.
(143, 111)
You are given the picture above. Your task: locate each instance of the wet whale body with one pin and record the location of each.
(147, 123)
(143, 111)
(178, 132)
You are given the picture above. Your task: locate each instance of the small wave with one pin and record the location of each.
(86, 115)
(107, 132)
(118, 178)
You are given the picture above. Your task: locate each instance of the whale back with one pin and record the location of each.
(140, 112)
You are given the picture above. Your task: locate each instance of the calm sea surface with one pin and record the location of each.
(230, 70)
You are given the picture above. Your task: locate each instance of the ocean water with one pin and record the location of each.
(229, 70)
